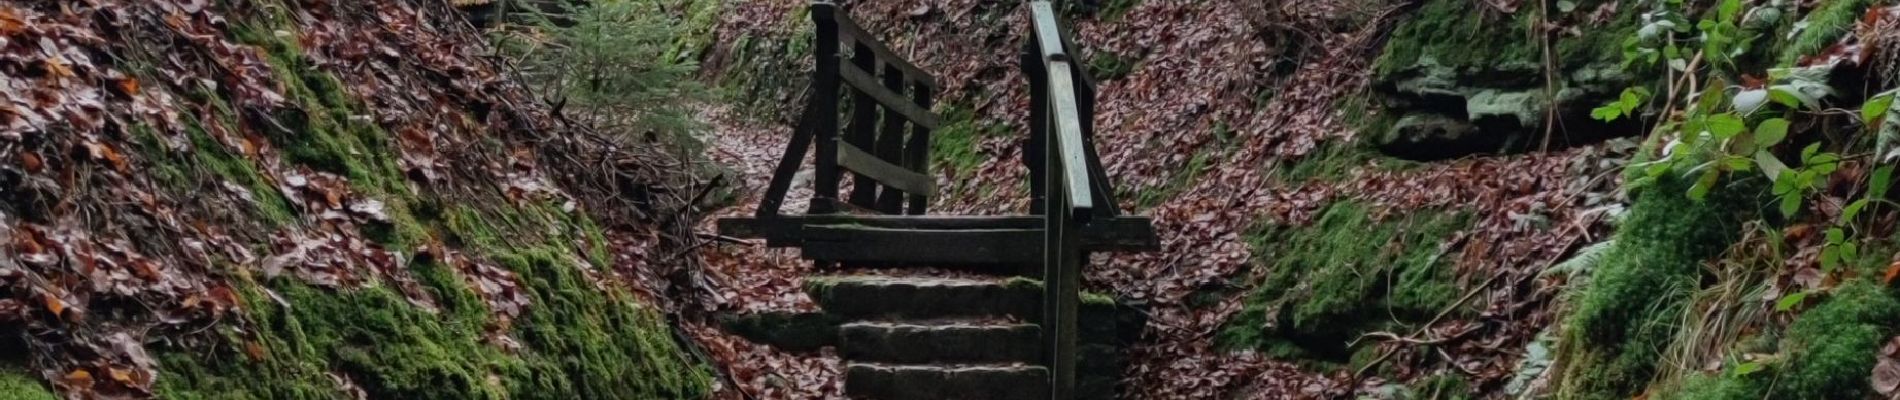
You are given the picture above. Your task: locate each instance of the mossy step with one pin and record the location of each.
(787, 330)
(934, 382)
(907, 343)
(894, 298)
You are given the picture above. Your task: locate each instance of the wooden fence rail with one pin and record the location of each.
(885, 145)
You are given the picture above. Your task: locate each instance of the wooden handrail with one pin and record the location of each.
(1069, 193)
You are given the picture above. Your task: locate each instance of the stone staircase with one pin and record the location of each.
(926, 338)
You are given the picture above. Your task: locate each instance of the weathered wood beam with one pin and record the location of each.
(1125, 233)
(868, 165)
(850, 30)
(867, 84)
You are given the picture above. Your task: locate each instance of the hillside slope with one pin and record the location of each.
(1418, 199)
(316, 199)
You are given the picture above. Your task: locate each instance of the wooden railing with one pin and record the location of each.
(1066, 176)
(890, 169)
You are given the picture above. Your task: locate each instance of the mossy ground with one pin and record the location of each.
(578, 338)
(1344, 275)
(1826, 353)
(1627, 315)
(18, 384)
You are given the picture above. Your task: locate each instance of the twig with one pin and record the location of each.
(1383, 355)
(725, 239)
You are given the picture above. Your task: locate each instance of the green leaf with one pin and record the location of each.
(1836, 235)
(1875, 108)
(1850, 253)
(1726, 125)
(1852, 210)
(1790, 204)
(1737, 163)
(1729, 9)
(1771, 132)
(1830, 259)
(1702, 186)
(1748, 368)
(1877, 185)
(1784, 97)
(1808, 152)
(1772, 167)
(1607, 113)
(1784, 305)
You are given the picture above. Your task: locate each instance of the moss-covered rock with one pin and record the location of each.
(1345, 275)
(1622, 321)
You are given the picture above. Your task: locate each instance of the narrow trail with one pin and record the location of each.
(1191, 81)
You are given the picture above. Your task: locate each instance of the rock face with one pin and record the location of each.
(1456, 81)
(1441, 112)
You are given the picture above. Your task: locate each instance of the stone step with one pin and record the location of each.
(934, 382)
(955, 342)
(888, 298)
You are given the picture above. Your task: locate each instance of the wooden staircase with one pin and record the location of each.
(913, 337)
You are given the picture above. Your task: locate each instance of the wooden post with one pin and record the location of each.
(863, 130)
(890, 144)
(824, 101)
(918, 155)
(1033, 152)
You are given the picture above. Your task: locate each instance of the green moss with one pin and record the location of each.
(1628, 314)
(1344, 275)
(1827, 353)
(1441, 387)
(18, 384)
(1464, 35)
(1826, 25)
(955, 146)
(1107, 66)
(323, 128)
(1178, 180)
(208, 163)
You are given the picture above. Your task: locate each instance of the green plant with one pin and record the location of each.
(611, 64)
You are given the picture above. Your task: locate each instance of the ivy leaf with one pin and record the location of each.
(1786, 304)
(1726, 125)
(1771, 132)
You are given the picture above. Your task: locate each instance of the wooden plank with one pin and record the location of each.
(864, 82)
(917, 152)
(859, 244)
(788, 166)
(890, 145)
(857, 160)
(1066, 138)
(824, 100)
(1126, 233)
(849, 28)
(862, 132)
(1046, 33)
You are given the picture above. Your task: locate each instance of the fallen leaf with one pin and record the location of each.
(79, 379)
